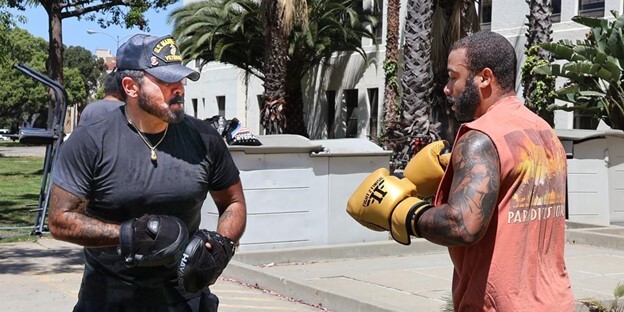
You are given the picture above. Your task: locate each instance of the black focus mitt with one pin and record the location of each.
(199, 266)
(152, 240)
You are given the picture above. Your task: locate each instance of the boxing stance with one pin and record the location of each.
(499, 206)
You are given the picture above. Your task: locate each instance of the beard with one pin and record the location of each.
(467, 102)
(168, 115)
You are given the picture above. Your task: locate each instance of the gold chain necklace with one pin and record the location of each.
(152, 148)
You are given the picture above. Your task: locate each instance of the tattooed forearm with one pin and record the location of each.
(473, 195)
(69, 222)
(232, 222)
(232, 211)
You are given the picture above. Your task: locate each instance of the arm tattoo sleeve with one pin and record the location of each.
(473, 195)
(69, 221)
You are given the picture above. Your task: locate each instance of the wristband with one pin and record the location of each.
(414, 215)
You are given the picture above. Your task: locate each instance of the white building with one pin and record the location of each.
(346, 98)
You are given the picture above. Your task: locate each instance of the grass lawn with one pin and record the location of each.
(20, 183)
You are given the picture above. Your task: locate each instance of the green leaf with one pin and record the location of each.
(590, 22)
(547, 69)
(559, 51)
(592, 93)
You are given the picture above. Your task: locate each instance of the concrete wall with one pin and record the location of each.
(595, 175)
(588, 186)
(297, 190)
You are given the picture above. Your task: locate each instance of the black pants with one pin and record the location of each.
(103, 292)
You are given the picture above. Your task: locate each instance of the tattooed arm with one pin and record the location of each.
(69, 222)
(473, 195)
(232, 211)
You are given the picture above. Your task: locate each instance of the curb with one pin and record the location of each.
(246, 267)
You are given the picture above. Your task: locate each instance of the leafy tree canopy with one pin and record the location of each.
(25, 100)
(232, 31)
(90, 69)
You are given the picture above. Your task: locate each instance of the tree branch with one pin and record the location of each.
(95, 8)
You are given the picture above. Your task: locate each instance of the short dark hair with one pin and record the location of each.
(110, 85)
(491, 50)
(136, 75)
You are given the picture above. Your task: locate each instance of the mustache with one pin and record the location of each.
(450, 99)
(176, 99)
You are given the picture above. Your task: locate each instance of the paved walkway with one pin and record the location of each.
(18, 150)
(374, 276)
(45, 276)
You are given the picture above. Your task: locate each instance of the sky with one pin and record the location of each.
(75, 31)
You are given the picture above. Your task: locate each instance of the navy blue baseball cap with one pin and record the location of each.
(157, 56)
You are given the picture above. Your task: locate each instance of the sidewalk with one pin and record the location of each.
(375, 276)
(45, 276)
(386, 276)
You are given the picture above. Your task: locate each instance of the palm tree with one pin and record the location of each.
(231, 32)
(431, 27)
(538, 90)
(417, 80)
(279, 19)
(392, 135)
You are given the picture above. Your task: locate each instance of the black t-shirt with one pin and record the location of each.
(108, 163)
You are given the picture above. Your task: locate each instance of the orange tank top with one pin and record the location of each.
(519, 264)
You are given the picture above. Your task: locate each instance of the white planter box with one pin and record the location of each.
(595, 175)
(296, 191)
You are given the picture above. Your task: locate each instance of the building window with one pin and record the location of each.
(351, 103)
(221, 105)
(593, 8)
(373, 99)
(194, 102)
(485, 14)
(331, 112)
(556, 11)
(584, 120)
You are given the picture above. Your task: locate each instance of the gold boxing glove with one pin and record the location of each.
(427, 167)
(384, 202)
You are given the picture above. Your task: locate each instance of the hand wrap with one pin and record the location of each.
(199, 266)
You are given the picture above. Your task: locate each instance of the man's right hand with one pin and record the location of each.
(385, 202)
(427, 167)
(152, 240)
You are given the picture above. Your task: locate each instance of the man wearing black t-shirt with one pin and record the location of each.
(129, 187)
(110, 102)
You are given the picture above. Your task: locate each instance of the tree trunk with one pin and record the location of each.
(417, 80)
(392, 135)
(54, 64)
(446, 32)
(294, 98)
(272, 116)
(538, 95)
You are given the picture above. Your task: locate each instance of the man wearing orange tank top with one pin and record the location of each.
(500, 205)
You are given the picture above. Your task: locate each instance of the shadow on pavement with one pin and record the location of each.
(40, 260)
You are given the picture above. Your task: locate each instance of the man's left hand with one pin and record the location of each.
(200, 266)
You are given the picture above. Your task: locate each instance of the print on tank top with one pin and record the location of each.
(541, 175)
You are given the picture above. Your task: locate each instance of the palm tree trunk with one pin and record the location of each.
(453, 19)
(294, 98)
(538, 97)
(392, 135)
(417, 80)
(272, 115)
